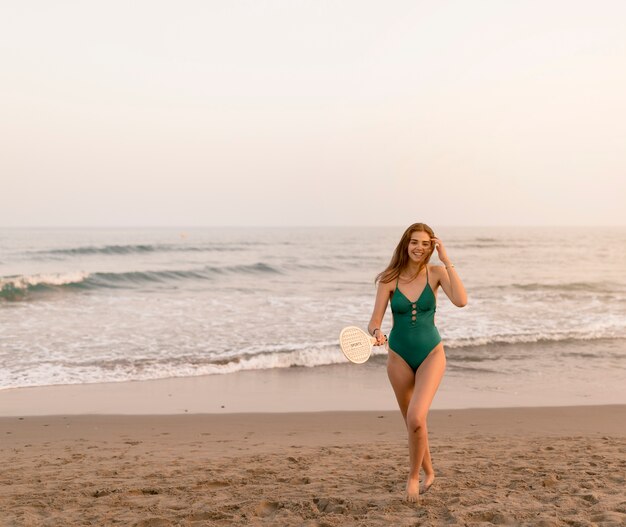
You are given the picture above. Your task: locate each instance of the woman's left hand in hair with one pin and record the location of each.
(441, 250)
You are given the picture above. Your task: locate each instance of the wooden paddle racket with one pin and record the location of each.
(356, 344)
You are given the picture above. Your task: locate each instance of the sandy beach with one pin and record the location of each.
(520, 466)
(199, 197)
(152, 381)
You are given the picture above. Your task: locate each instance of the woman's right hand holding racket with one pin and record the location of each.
(380, 338)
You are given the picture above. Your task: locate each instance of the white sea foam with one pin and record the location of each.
(52, 279)
(282, 297)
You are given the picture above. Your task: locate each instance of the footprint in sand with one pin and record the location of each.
(611, 518)
(266, 508)
(214, 484)
(208, 515)
(590, 498)
(329, 505)
(550, 481)
(147, 491)
(101, 492)
(154, 522)
(493, 517)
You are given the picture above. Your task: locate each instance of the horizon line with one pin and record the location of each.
(293, 226)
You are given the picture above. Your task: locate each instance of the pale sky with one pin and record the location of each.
(289, 113)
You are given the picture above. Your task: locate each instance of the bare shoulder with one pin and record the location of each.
(387, 287)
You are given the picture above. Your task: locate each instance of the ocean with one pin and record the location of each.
(546, 306)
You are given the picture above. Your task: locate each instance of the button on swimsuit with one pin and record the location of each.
(414, 334)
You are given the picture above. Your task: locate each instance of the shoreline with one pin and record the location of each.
(592, 420)
(296, 389)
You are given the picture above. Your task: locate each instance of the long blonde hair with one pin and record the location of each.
(400, 259)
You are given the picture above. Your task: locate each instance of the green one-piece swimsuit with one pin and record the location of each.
(414, 334)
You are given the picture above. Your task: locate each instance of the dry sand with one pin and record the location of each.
(522, 466)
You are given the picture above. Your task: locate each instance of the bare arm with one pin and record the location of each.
(448, 277)
(380, 306)
(452, 285)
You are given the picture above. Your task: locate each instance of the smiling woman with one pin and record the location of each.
(416, 360)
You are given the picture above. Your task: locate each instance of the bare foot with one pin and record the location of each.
(428, 482)
(413, 490)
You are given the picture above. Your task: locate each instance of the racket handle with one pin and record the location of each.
(373, 339)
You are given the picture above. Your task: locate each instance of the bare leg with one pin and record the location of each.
(427, 380)
(427, 464)
(429, 472)
(402, 381)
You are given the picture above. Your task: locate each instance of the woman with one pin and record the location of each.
(416, 359)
